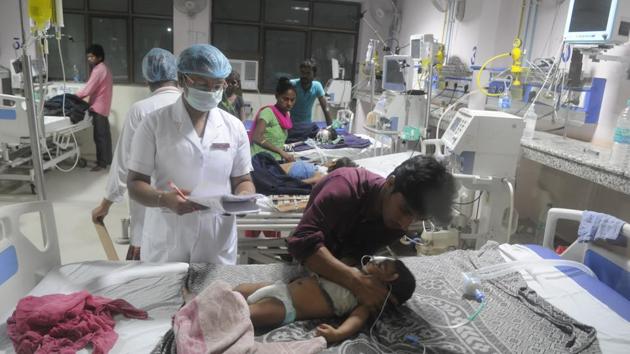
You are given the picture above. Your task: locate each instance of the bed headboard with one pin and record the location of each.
(14, 120)
(22, 264)
(612, 268)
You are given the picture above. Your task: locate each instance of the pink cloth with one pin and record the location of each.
(99, 88)
(66, 323)
(217, 321)
(283, 119)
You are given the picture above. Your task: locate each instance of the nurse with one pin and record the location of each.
(159, 69)
(202, 150)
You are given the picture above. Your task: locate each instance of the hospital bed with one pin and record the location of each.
(263, 249)
(27, 269)
(58, 141)
(377, 148)
(36, 270)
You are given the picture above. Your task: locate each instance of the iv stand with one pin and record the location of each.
(429, 92)
(33, 127)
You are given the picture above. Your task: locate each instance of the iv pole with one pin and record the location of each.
(33, 126)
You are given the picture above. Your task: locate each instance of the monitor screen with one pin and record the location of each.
(590, 15)
(455, 124)
(394, 74)
(415, 48)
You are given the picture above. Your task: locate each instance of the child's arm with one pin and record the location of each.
(348, 328)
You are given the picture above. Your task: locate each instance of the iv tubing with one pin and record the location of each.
(465, 322)
(497, 270)
(483, 67)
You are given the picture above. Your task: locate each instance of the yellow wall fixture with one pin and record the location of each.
(517, 67)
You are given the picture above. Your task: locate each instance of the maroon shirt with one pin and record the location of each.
(337, 216)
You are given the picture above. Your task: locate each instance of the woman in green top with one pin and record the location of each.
(269, 131)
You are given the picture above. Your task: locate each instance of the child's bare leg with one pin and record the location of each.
(247, 289)
(268, 312)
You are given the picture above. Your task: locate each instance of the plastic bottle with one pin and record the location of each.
(530, 119)
(620, 156)
(505, 101)
(75, 73)
(369, 53)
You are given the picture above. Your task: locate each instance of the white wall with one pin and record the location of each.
(490, 25)
(9, 29)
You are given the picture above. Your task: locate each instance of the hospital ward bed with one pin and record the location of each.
(504, 326)
(58, 141)
(376, 148)
(267, 250)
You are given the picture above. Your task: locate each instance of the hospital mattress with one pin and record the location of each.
(518, 318)
(580, 296)
(155, 288)
(53, 124)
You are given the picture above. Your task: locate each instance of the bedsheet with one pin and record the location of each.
(515, 319)
(54, 123)
(578, 295)
(155, 288)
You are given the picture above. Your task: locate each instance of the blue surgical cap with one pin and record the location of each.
(159, 65)
(204, 60)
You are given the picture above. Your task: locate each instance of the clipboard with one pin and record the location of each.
(106, 242)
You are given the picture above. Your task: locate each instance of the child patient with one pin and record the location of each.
(313, 297)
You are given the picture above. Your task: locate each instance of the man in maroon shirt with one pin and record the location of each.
(353, 212)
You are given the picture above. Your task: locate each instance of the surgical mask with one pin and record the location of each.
(203, 101)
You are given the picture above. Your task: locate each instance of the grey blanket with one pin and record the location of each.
(515, 320)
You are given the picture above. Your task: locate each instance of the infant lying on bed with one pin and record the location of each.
(312, 297)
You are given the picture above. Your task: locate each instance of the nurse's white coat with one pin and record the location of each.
(117, 179)
(167, 147)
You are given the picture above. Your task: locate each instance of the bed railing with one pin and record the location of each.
(22, 264)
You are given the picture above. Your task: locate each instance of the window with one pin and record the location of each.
(280, 34)
(287, 12)
(281, 50)
(149, 33)
(333, 15)
(236, 10)
(111, 33)
(238, 40)
(126, 29)
(73, 49)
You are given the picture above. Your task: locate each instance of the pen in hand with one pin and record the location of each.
(172, 186)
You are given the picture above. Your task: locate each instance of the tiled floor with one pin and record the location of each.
(73, 195)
